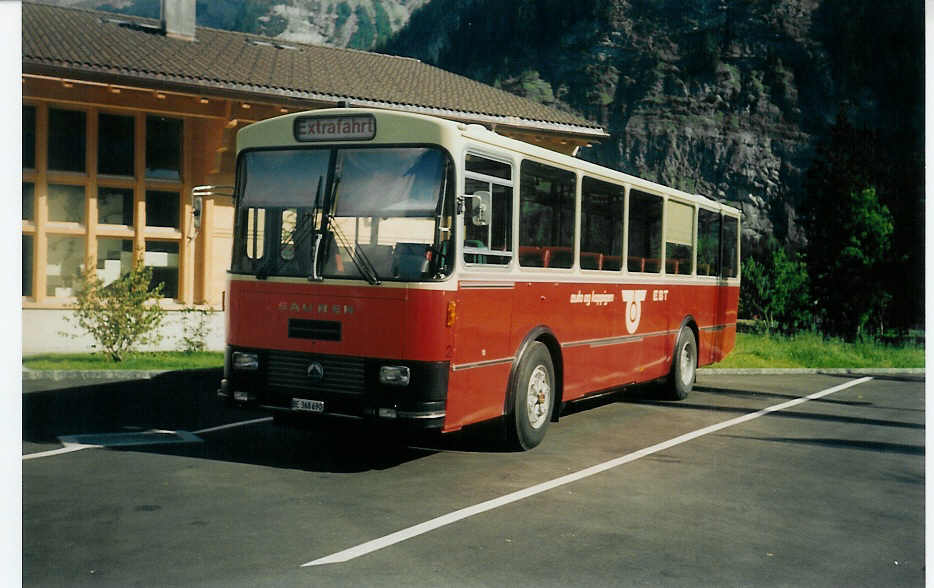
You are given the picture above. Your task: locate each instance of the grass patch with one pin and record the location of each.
(159, 360)
(810, 350)
(752, 351)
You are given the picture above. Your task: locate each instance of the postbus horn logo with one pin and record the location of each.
(633, 299)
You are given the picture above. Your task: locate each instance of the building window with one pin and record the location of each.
(29, 201)
(162, 257)
(114, 258)
(28, 255)
(67, 140)
(64, 266)
(115, 145)
(163, 148)
(66, 203)
(29, 137)
(115, 206)
(162, 209)
(85, 173)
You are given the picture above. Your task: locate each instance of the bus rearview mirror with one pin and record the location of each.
(481, 209)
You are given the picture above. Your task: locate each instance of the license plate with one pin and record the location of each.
(307, 405)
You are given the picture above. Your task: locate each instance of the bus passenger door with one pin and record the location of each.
(484, 300)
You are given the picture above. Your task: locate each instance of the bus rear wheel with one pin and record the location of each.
(534, 394)
(683, 366)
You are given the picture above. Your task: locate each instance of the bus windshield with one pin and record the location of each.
(372, 213)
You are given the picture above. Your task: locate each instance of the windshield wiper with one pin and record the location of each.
(357, 256)
(299, 236)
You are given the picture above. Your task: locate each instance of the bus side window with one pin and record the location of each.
(601, 225)
(645, 232)
(546, 209)
(679, 238)
(708, 243)
(730, 247)
(488, 236)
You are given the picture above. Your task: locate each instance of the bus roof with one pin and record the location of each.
(397, 127)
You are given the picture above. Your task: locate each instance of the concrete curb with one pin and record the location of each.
(811, 371)
(107, 375)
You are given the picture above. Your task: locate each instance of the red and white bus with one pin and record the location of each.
(403, 268)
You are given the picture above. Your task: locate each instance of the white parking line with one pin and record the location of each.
(233, 425)
(72, 447)
(68, 448)
(459, 515)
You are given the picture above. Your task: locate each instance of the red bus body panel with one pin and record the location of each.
(387, 322)
(492, 319)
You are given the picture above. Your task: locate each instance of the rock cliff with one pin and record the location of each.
(722, 98)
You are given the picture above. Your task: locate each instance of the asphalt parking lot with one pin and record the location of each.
(746, 483)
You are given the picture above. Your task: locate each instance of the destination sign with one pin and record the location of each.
(354, 127)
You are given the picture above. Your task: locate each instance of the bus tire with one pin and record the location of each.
(534, 393)
(683, 366)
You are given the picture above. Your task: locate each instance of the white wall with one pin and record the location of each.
(44, 332)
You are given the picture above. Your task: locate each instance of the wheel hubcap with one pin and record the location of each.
(538, 398)
(687, 365)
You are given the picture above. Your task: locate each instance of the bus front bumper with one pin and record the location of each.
(289, 385)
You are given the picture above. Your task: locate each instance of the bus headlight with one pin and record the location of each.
(394, 375)
(244, 361)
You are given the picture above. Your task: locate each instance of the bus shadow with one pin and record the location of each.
(756, 394)
(174, 400)
(796, 414)
(873, 446)
(187, 401)
(328, 448)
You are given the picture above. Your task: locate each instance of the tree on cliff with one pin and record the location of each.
(849, 233)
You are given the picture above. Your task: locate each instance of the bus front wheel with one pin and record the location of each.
(683, 366)
(534, 394)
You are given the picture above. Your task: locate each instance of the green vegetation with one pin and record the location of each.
(807, 350)
(121, 315)
(810, 350)
(343, 13)
(850, 231)
(161, 360)
(195, 329)
(775, 291)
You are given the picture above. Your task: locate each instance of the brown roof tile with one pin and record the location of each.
(96, 42)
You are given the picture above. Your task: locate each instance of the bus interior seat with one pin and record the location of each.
(561, 257)
(591, 260)
(474, 257)
(612, 263)
(380, 257)
(644, 264)
(531, 256)
(678, 265)
(409, 261)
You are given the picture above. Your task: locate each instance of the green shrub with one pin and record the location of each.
(121, 315)
(195, 329)
(775, 290)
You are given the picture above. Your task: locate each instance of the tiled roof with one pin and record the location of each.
(103, 44)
